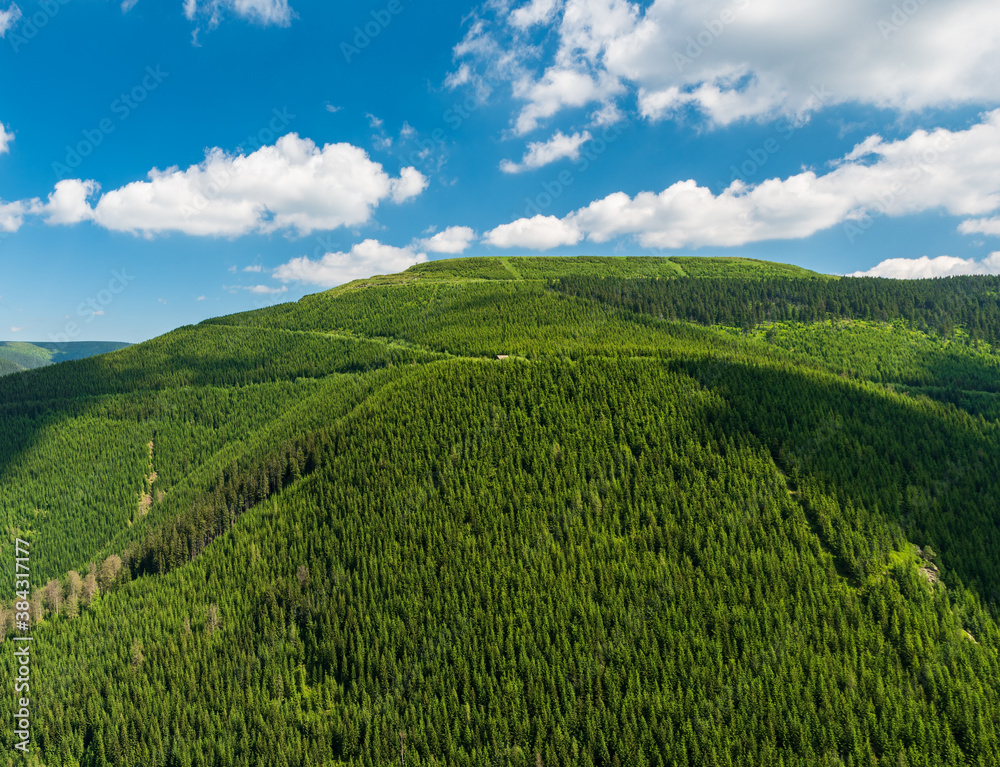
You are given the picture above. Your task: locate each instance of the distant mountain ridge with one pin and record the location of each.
(16, 356)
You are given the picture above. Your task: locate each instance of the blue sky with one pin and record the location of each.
(164, 162)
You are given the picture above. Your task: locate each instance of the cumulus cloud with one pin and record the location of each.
(742, 59)
(292, 185)
(68, 202)
(362, 260)
(538, 233)
(410, 183)
(958, 172)
(924, 267)
(453, 240)
(541, 153)
(9, 18)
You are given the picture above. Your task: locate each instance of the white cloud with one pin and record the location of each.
(608, 114)
(410, 183)
(362, 260)
(742, 59)
(557, 89)
(981, 226)
(459, 77)
(128, 5)
(453, 240)
(12, 213)
(9, 18)
(541, 153)
(266, 289)
(535, 12)
(332, 109)
(957, 172)
(292, 185)
(538, 233)
(6, 138)
(15, 329)
(924, 267)
(494, 60)
(200, 298)
(253, 268)
(263, 12)
(68, 202)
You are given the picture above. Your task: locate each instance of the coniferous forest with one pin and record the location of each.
(505, 511)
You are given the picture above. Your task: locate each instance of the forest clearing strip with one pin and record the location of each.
(511, 268)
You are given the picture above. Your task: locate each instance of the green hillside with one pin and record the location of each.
(16, 356)
(702, 512)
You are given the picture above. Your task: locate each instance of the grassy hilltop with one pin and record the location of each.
(705, 512)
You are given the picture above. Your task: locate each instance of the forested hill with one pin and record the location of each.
(16, 356)
(522, 511)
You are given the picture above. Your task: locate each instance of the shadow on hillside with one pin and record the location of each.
(898, 468)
